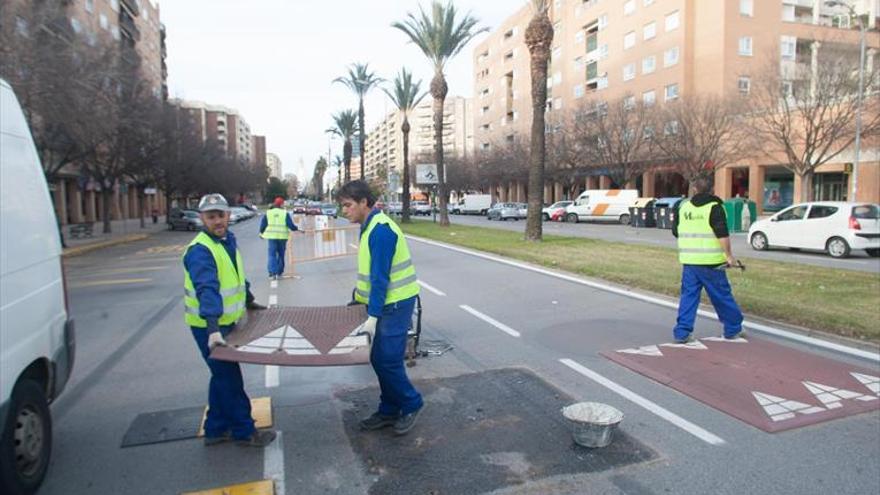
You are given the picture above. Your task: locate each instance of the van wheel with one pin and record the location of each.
(759, 241)
(624, 219)
(27, 440)
(837, 247)
(545, 217)
(571, 218)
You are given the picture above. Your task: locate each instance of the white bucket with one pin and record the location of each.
(593, 423)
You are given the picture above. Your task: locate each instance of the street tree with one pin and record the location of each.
(360, 81)
(538, 38)
(318, 178)
(405, 95)
(566, 159)
(276, 188)
(345, 125)
(440, 35)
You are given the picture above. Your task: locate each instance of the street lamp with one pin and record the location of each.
(858, 143)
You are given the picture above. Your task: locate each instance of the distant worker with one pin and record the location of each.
(387, 284)
(216, 296)
(700, 225)
(274, 227)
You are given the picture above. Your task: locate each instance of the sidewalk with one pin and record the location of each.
(122, 231)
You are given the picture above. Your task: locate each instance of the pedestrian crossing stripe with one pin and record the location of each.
(738, 340)
(871, 382)
(831, 396)
(780, 409)
(696, 345)
(647, 350)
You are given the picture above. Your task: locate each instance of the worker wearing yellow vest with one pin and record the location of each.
(275, 227)
(700, 225)
(216, 295)
(387, 284)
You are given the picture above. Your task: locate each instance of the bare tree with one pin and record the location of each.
(565, 156)
(809, 113)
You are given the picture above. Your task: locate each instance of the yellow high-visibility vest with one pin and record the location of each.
(697, 244)
(232, 285)
(276, 228)
(403, 283)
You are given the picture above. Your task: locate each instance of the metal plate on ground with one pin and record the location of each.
(309, 336)
(479, 433)
(766, 385)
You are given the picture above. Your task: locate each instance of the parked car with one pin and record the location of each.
(38, 339)
(837, 228)
(602, 204)
(329, 209)
(395, 208)
(504, 211)
(420, 208)
(239, 214)
(558, 215)
(314, 209)
(184, 220)
(559, 206)
(522, 210)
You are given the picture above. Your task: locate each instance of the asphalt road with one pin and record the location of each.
(135, 355)
(859, 261)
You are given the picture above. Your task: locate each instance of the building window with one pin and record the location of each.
(484, 110)
(579, 91)
(114, 30)
(629, 40)
(484, 146)
(77, 27)
(629, 7)
(649, 64)
(648, 2)
(487, 127)
(104, 24)
(649, 31)
(578, 63)
(557, 104)
(21, 26)
(648, 97)
(746, 8)
(744, 85)
(670, 57)
(603, 82)
(672, 21)
(557, 78)
(592, 70)
(629, 72)
(603, 51)
(745, 46)
(556, 53)
(629, 102)
(788, 13)
(671, 128)
(508, 56)
(484, 92)
(671, 92)
(789, 47)
(90, 6)
(509, 34)
(114, 4)
(603, 21)
(579, 37)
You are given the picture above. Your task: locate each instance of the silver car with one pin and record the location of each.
(504, 211)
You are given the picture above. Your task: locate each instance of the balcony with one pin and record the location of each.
(131, 6)
(127, 26)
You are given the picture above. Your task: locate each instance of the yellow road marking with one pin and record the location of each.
(261, 411)
(119, 271)
(265, 487)
(97, 283)
(177, 248)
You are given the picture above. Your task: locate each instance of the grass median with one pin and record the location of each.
(842, 302)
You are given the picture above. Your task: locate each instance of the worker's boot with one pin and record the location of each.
(259, 438)
(407, 422)
(377, 421)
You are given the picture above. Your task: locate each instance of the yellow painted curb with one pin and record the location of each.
(76, 251)
(265, 487)
(261, 411)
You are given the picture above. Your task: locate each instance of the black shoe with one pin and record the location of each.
(686, 340)
(258, 439)
(406, 422)
(210, 441)
(378, 421)
(738, 335)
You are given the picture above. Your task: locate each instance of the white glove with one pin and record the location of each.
(369, 328)
(215, 339)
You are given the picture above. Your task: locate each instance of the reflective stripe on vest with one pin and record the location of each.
(402, 280)
(697, 244)
(276, 224)
(232, 285)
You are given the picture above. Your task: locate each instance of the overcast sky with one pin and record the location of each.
(274, 60)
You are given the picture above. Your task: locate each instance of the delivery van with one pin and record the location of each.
(602, 204)
(36, 332)
(473, 204)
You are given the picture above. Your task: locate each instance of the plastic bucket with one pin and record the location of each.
(593, 423)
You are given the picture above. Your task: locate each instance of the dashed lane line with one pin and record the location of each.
(488, 319)
(431, 288)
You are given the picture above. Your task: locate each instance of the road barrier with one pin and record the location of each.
(318, 239)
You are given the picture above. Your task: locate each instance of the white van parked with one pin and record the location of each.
(473, 204)
(602, 204)
(36, 331)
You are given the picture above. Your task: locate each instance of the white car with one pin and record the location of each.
(834, 227)
(547, 213)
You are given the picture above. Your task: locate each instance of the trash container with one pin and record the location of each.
(641, 213)
(664, 212)
(740, 214)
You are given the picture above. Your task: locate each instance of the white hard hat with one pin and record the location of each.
(213, 202)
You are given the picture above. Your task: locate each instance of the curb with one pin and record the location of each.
(80, 250)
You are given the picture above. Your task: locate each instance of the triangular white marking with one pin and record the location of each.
(871, 382)
(780, 409)
(647, 350)
(831, 396)
(738, 340)
(278, 332)
(696, 345)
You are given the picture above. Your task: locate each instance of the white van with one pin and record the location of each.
(36, 332)
(602, 204)
(474, 204)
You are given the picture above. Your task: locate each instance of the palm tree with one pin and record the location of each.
(405, 95)
(360, 81)
(538, 37)
(345, 126)
(440, 36)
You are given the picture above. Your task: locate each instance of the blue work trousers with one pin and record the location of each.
(694, 279)
(229, 407)
(276, 256)
(398, 396)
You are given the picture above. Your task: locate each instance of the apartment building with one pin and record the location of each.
(226, 127)
(258, 151)
(273, 161)
(384, 146)
(661, 50)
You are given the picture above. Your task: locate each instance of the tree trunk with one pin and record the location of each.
(346, 160)
(439, 89)
(106, 197)
(405, 206)
(362, 136)
(807, 186)
(538, 37)
(141, 202)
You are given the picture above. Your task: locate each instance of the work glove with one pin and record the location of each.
(254, 305)
(215, 339)
(369, 328)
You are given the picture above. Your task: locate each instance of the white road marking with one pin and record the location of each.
(432, 289)
(273, 462)
(353, 246)
(488, 319)
(273, 284)
(273, 300)
(653, 408)
(778, 332)
(273, 376)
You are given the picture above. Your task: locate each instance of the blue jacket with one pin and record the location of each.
(199, 262)
(383, 244)
(264, 222)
